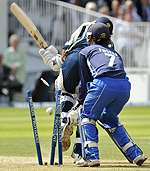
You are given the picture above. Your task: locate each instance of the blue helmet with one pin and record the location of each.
(99, 32)
(107, 21)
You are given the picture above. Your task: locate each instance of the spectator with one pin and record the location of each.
(14, 58)
(91, 6)
(128, 39)
(101, 3)
(4, 77)
(104, 10)
(145, 5)
(115, 6)
(131, 10)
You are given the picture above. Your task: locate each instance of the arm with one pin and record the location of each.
(85, 77)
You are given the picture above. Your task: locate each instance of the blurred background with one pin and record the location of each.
(21, 66)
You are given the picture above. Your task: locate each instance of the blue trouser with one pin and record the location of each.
(70, 71)
(104, 101)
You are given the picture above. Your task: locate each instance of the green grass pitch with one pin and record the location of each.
(17, 149)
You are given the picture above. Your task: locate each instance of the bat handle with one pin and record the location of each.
(45, 47)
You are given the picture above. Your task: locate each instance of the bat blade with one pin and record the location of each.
(27, 23)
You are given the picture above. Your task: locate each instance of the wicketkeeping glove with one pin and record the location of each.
(73, 114)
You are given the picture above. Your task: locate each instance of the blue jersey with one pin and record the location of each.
(99, 61)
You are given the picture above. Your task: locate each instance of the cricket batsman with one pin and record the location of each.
(106, 89)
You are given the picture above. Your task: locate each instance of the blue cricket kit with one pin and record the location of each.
(108, 89)
(100, 68)
(104, 97)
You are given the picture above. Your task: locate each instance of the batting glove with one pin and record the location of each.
(51, 57)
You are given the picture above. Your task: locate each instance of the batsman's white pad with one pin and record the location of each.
(59, 82)
(67, 97)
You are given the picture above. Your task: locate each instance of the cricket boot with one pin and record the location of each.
(77, 152)
(77, 148)
(87, 163)
(139, 160)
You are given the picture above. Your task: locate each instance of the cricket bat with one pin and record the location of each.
(27, 23)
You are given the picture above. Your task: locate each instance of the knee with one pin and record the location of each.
(109, 119)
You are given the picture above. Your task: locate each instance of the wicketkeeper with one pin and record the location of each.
(106, 89)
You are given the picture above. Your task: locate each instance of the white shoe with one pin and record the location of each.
(87, 163)
(66, 134)
(76, 157)
(139, 160)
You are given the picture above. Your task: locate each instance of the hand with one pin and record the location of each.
(51, 58)
(73, 116)
(47, 54)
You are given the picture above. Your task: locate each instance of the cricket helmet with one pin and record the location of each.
(99, 32)
(107, 21)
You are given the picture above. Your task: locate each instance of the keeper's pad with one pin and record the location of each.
(123, 141)
(89, 138)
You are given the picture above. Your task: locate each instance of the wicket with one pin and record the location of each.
(57, 132)
(34, 127)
